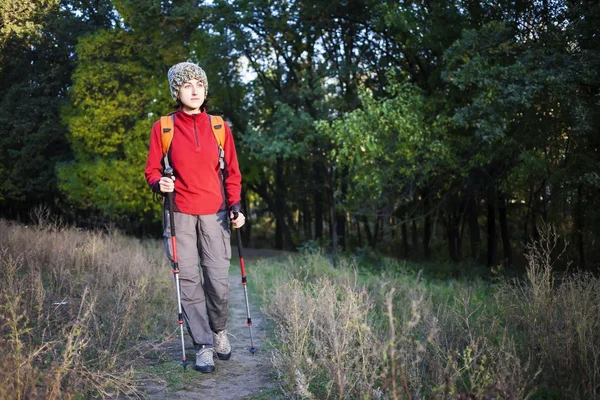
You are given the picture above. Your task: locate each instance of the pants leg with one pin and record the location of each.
(193, 299)
(215, 238)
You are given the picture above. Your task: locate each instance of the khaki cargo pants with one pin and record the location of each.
(203, 244)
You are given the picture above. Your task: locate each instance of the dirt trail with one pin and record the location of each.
(244, 375)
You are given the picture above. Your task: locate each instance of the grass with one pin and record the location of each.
(269, 394)
(169, 373)
(77, 309)
(344, 329)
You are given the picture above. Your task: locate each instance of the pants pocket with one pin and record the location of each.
(227, 244)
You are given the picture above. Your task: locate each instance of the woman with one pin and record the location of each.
(202, 202)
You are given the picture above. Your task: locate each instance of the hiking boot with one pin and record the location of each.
(204, 360)
(222, 346)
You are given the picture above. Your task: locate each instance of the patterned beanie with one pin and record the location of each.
(181, 73)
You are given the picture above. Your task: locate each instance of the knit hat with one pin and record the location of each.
(181, 73)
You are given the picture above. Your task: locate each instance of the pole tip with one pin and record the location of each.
(184, 365)
(252, 349)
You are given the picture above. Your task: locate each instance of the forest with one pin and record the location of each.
(425, 130)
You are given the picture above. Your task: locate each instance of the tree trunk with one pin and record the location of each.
(491, 228)
(579, 226)
(306, 218)
(332, 219)
(415, 240)
(404, 232)
(279, 204)
(538, 206)
(451, 233)
(377, 230)
(544, 201)
(341, 214)
(528, 206)
(318, 198)
(370, 238)
(271, 196)
(502, 217)
(426, 226)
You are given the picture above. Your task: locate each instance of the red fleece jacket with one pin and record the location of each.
(194, 157)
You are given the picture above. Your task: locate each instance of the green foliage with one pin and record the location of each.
(351, 112)
(107, 100)
(22, 20)
(109, 186)
(389, 147)
(500, 76)
(289, 136)
(36, 63)
(524, 97)
(109, 124)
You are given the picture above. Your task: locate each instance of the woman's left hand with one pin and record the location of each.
(239, 221)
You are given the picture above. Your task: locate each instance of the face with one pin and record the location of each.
(191, 95)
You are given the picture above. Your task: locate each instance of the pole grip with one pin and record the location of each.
(238, 236)
(171, 216)
(168, 172)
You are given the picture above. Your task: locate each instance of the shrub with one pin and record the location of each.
(344, 332)
(322, 329)
(557, 320)
(74, 305)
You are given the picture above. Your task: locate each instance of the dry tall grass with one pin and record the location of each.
(73, 304)
(394, 335)
(558, 319)
(322, 332)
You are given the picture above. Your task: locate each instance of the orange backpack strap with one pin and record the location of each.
(166, 132)
(218, 127)
(166, 135)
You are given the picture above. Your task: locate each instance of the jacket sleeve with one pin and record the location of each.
(233, 176)
(154, 165)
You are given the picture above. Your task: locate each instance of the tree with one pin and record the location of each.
(37, 59)
(520, 85)
(391, 153)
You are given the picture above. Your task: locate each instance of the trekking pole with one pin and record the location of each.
(169, 173)
(252, 349)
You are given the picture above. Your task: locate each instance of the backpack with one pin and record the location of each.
(167, 130)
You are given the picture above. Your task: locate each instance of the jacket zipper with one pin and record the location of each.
(196, 133)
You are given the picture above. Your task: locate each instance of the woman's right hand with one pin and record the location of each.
(167, 184)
